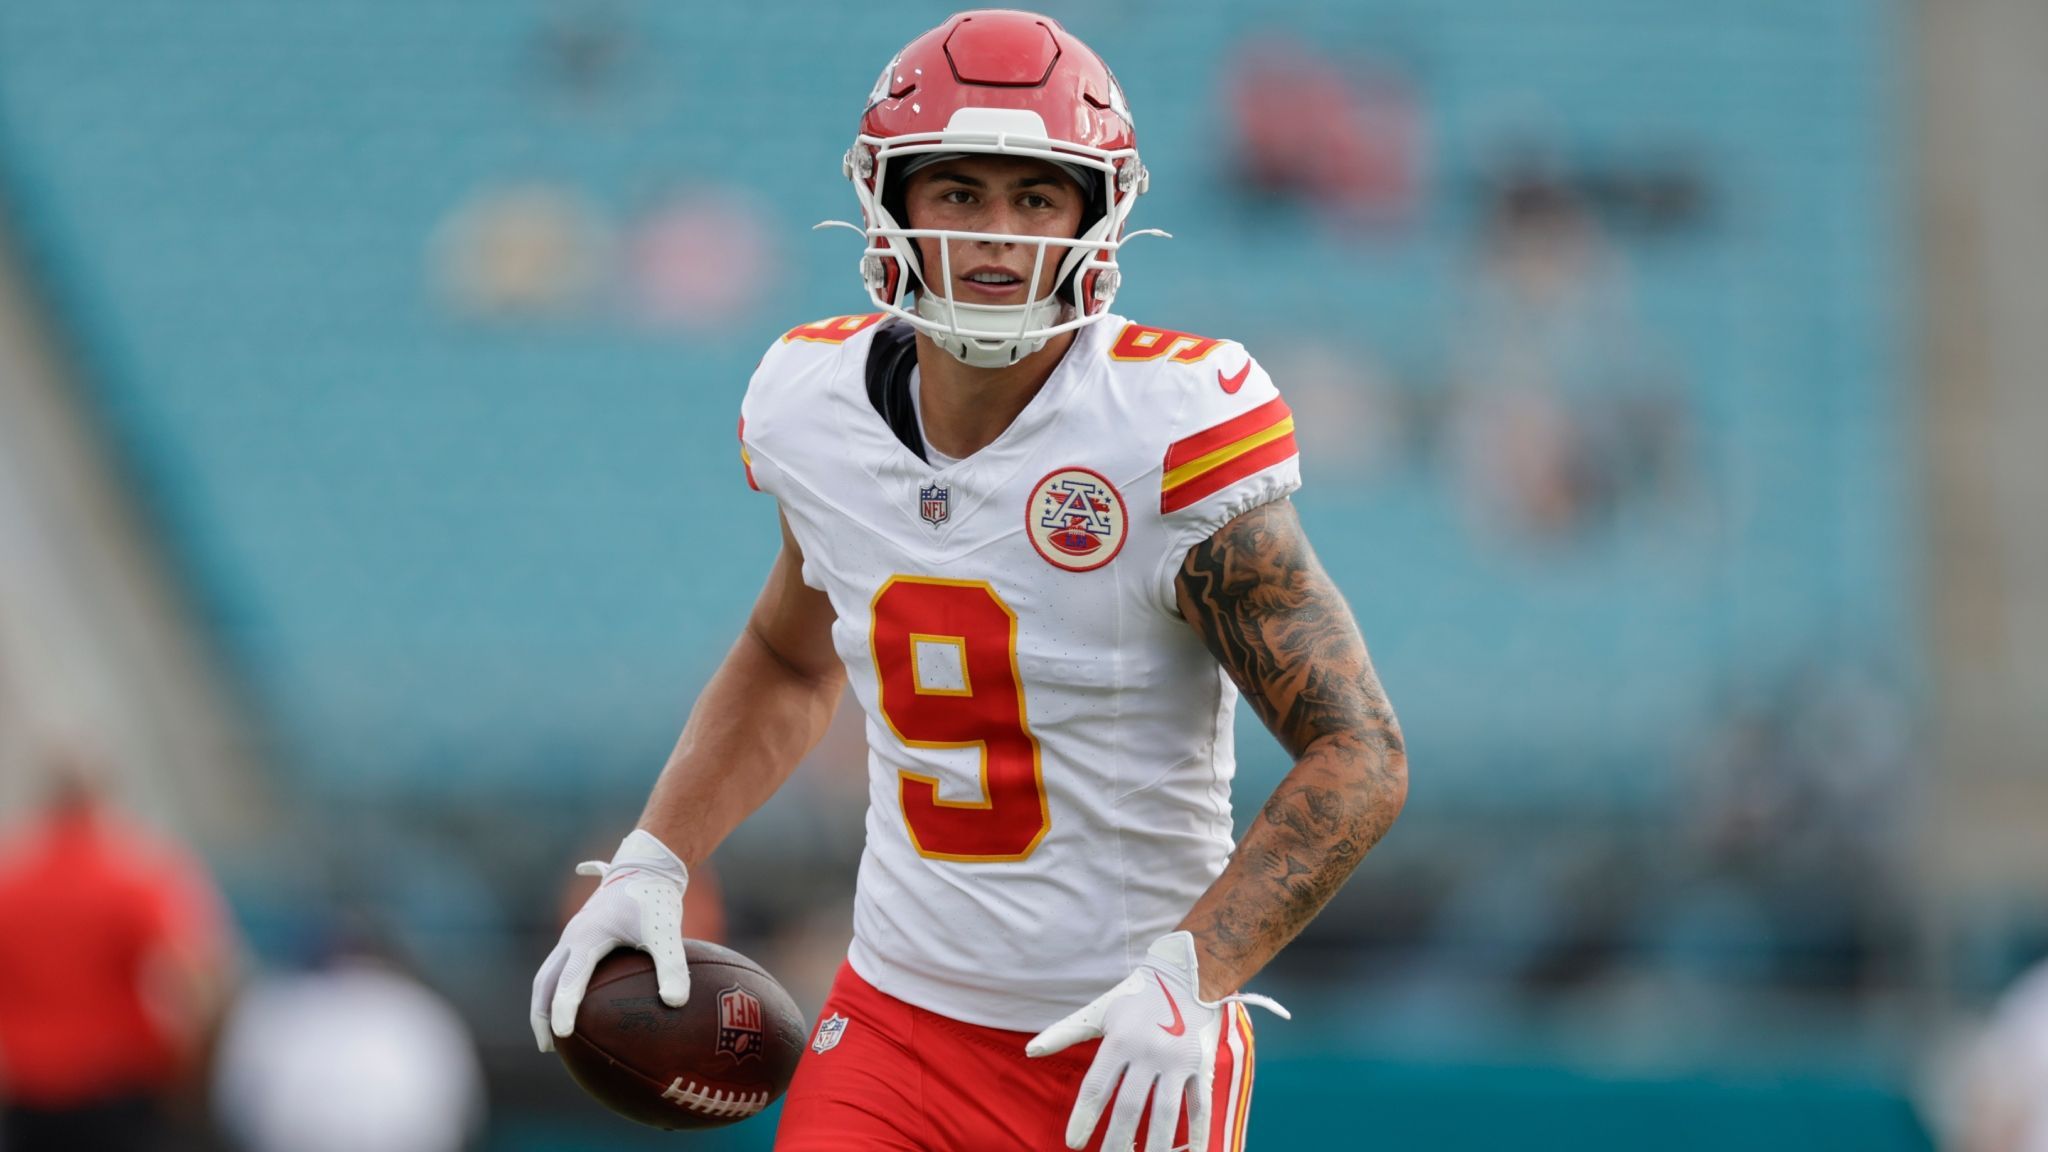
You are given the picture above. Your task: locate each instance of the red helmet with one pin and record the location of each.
(1004, 83)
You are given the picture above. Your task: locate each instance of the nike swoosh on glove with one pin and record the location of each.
(638, 903)
(1158, 1036)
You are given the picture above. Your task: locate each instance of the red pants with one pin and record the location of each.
(901, 1079)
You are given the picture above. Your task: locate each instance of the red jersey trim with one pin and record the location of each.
(1229, 432)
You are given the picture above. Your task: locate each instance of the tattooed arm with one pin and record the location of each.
(1270, 615)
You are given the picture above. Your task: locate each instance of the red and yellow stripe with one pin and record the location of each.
(1212, 460)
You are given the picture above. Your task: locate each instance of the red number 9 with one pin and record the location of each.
(946, 654)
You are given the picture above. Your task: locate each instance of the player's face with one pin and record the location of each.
(994, 194)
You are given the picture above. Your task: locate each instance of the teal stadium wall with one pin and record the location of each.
(416, 534)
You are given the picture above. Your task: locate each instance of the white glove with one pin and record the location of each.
(638, 902)
(1158, 1035)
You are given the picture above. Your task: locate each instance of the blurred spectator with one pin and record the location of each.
(701, 260)
(113, 962)
(1561, 416)
(586, 54)
(1347, 141)
(523, 252)
(351, 1055)
(1790, 859)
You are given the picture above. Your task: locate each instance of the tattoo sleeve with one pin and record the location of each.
(1269, 614)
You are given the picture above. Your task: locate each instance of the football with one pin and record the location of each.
(723, 1056)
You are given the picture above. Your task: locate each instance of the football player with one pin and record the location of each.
(1047, 547)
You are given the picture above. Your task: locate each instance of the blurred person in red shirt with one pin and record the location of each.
(113, 965)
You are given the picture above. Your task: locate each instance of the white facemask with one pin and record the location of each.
(985, 335)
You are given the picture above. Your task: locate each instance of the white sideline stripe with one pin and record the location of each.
(720, 1103)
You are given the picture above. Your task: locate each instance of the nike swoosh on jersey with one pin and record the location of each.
(1235, 380)
(1178, 1026)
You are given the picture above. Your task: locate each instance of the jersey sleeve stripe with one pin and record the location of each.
(1236, 466)
(1227, 433)
(1225, 455)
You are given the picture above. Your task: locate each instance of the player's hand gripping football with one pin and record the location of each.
(638, 903)
(1157, 1035)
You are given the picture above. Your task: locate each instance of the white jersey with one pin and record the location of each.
(1050, 742)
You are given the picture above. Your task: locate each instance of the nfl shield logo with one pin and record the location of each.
(739, 1023)
(830, 1029)
(935, 503)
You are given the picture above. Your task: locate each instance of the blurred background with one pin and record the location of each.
(1670, 382)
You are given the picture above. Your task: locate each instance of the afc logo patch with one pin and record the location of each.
(830, 1029)
(1076, 519)
(739, 1023)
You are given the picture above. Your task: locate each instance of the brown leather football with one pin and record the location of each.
(723, 1056)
